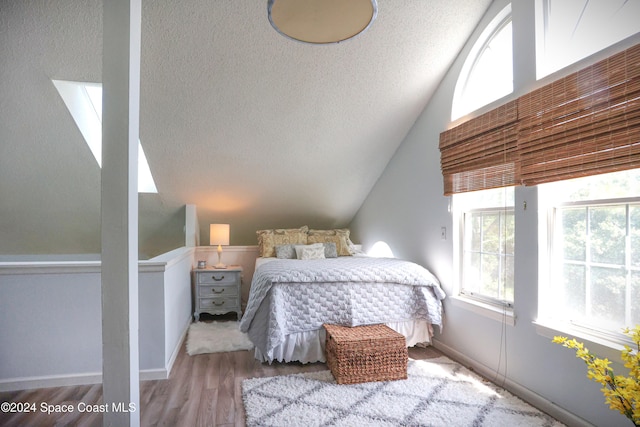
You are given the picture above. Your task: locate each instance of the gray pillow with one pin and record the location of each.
(285, 251)
(330, 250)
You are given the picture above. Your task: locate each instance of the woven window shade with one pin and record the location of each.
(584, 124)
(481, 153)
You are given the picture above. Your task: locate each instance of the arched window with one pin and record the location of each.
(570, 30)
(487, 74)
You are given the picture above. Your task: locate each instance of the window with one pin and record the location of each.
(594, 251)
(84, 102)
(487, 73)
(569, 30)
(486, 245)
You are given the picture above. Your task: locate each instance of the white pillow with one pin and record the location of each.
(312, 253)
(299, 249)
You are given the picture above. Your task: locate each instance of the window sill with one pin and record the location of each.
(600, 346)
(503, 315)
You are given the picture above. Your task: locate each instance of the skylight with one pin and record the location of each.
(84, 101)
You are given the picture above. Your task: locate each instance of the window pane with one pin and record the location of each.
(607, 296)
(574, 233)
(634, 235)
(607, 231)
(509, 278)
(635, 299)
(490, 276)
(491, 232)
(491, 77)
(472, 272)
(574, 296)
(569, 30)
(476, 232)
(598, 187)
(487, 73)
(509, 231)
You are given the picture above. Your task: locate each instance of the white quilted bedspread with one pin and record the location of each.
(291, 296)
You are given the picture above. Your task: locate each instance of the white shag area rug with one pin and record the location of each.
(216, 337)
(438, 392)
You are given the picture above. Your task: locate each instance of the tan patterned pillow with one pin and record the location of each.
(339, 236)
(268, 239)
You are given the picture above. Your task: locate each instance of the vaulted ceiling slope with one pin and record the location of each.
(253, 128)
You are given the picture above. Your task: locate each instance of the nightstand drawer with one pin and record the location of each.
(217, 291)
(218, 277)
(218, 304)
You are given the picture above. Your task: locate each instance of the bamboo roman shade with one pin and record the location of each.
(584, 124)
(482, 152)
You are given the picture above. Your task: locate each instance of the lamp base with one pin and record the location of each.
(220, 265)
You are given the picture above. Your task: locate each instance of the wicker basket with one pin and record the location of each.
(366, 353)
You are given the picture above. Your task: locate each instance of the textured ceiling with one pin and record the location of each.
(255, 129)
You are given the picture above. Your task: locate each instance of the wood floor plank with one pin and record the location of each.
(202, 390)
(225, 407)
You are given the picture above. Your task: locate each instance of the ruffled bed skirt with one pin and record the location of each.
(308, 347)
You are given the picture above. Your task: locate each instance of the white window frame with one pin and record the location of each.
(501, 311)
(604, 342)
(464, 271)
(554, 231)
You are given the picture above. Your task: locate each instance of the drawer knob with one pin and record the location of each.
(218, 304)
(216, 291)
(217, 279)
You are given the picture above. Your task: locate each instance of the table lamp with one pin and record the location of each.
(219, 235)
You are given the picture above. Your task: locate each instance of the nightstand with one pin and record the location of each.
(217, 291)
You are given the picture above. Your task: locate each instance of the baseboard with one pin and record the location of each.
(517, 389)
(30, 383)
(154, 374)
(178, 347)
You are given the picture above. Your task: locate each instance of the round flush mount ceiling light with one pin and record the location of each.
(321, 21)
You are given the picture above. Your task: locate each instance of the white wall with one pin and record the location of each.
(406, 209)
(50, 312)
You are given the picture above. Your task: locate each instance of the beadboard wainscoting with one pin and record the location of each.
(50, 311)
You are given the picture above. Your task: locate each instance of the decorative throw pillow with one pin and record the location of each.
(311, 252)
(299, 248)
(330, 250)
(268, 239)
(285, 251)
(338, 236)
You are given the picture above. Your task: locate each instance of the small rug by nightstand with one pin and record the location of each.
(216, 337)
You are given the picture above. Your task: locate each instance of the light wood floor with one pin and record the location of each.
(202, 390)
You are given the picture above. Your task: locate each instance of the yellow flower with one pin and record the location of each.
(621, 393)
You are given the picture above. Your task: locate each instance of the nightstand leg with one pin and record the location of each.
(196, 316)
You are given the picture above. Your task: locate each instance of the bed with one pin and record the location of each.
(290, 299)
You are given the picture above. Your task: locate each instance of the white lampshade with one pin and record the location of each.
(218, 234)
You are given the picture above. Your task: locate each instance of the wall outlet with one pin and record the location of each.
(443, 233)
